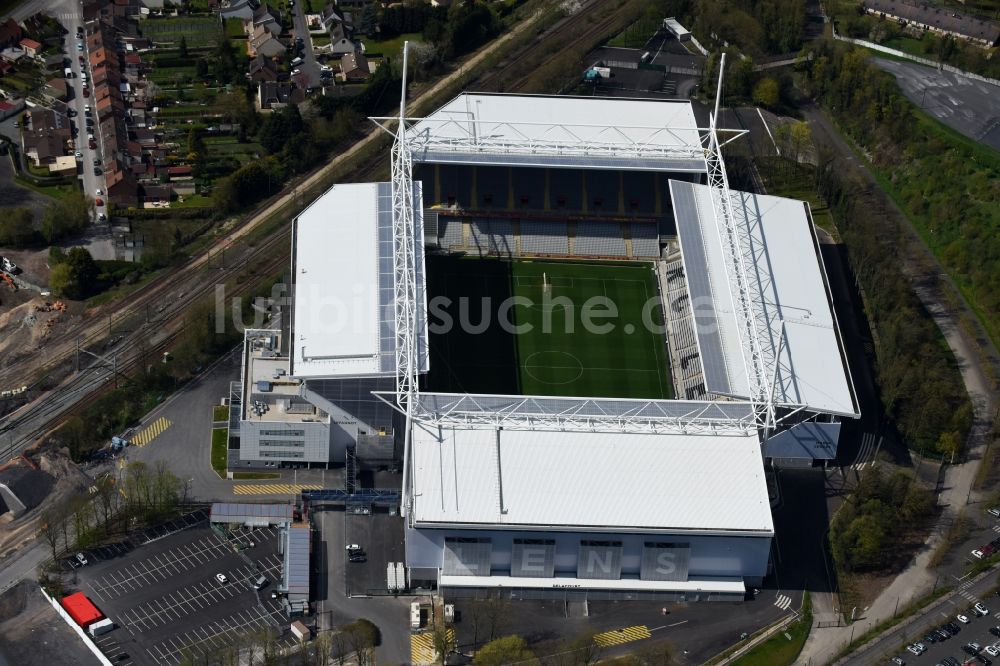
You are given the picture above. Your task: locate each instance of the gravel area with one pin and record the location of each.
(33, 634)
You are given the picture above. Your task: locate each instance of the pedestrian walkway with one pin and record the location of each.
(273, 488)
(151, 432)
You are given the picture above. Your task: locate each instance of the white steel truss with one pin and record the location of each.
(575, 414)
(492, 137)
(743, 246)
(610, 415)
(405, 296)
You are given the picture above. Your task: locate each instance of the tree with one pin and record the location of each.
(50, 530)
(505, 650)
(765, 93)
(67, 216)
(183, 47)
(201, 68)
(362, 636)
(443, 639)
(76, 277)
(801, 137)
(17, 228)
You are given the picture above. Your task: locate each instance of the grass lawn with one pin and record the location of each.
(54, 191)
(784, 647)
(245, 476)
(585, 336)
(391, 47)
(636, 35)
(219, 450)
(193, 201)
(220, 413)
(197, 31)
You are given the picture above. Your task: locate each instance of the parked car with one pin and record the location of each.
(984, 660)
(916, 648)
(994, 511)
(995, 631)
(952, 628)
(931, 638)
(981, 609)
(102, 218)
(961, 618)
(82, 559)
(86, 92)
(357, 557)
(78, 154)
(221, 578)
(992, 650)
(898, 661)
(353, 546)
(98, 201)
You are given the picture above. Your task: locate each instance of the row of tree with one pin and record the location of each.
(869, 529)
(145, 494)
(62, 218)
(920, 387)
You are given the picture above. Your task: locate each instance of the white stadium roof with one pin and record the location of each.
(591, 481)
(343, 322)
(787, 276)
(578, 132)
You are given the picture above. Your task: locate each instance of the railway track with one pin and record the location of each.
(138, 335)
(511, 76)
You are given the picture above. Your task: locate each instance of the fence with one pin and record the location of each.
(77, 628)
(909, 56)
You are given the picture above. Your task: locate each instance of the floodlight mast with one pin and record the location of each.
(405, 293)
(737, 242)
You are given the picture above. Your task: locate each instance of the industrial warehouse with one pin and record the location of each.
(444, 322)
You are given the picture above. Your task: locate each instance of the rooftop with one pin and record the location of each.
(547, 479)
(269, 393)
(786, 277)
(581, 132)
(343, 323)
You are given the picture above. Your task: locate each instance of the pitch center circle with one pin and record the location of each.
(561, 367)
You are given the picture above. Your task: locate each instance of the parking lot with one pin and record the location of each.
(381, 537)
(185, 589)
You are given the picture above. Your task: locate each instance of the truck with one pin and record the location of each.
(100, 627)
(69, 72)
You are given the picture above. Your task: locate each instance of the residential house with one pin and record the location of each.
(43, 146)
(275, 95)
(268, 16)
(265, 44)
(10, 33)
(64, 165)
(10, 107)
(941, 20)
(40, 118)
(157, 193)
(13, 54)
(354, 67)
(55, 90)
(121, 189)
(31, 47)
(263, 69)
(238, 9)
(341, 41)
(179, 171)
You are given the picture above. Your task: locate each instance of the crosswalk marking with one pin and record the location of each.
(422, 647)
(151, 432)
(273, 488)
(783, 601)
(619, 636)
(867, 450)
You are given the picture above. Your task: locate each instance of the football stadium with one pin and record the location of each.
(579, 345)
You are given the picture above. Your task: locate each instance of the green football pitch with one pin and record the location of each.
(546, 328)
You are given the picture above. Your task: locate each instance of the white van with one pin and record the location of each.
(297, 61)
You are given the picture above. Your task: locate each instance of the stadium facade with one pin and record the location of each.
(564, 496)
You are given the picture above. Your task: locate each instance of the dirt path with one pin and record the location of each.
(918, 578)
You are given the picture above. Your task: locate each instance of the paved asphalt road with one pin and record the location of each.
(969, 106)
(945, 610)
(310, 67)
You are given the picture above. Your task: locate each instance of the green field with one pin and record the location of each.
(197, 31)
(584, 336)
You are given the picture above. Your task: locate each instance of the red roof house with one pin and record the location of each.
(79, 607)
(182, 170)
(31, 47)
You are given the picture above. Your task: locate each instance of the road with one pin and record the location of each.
(969, 106)
(310, 67)
(943, 610)
(92, 182)
(918, 578)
